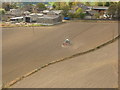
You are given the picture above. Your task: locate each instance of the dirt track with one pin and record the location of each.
(27, 48)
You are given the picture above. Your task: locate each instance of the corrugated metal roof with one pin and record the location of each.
(17, 18)
(49, 16)
(98, 7)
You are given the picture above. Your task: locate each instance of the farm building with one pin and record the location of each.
(49, 19)
(46, 17)
(16, 19)
(32, 17)
(98, 8)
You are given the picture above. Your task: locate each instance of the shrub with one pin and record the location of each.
(97, 15)
(2, 11)
(82, 15)
(71, 15)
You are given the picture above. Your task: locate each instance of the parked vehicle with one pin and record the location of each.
(66, 18)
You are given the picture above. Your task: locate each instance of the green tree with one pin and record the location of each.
(112, 10)
(97, 15)
(28, 7)
(40, 6)
(82, 15)
(107, 4)
(78, 14)
(62, 5)
(56, 5)
(100, 4)
(71, 15)
(65, 10)
(95, 3)
(87, 4)
(118, 10)
(79, 10)
(70, 4)
(7, 6)
(14, 5)
(2, 11)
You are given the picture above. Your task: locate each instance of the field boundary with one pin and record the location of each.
(8, 85)
(64, 21)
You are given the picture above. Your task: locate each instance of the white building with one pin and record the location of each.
(17, 19)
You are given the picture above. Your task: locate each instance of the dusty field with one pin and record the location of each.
(98, 69)
(27, 48)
